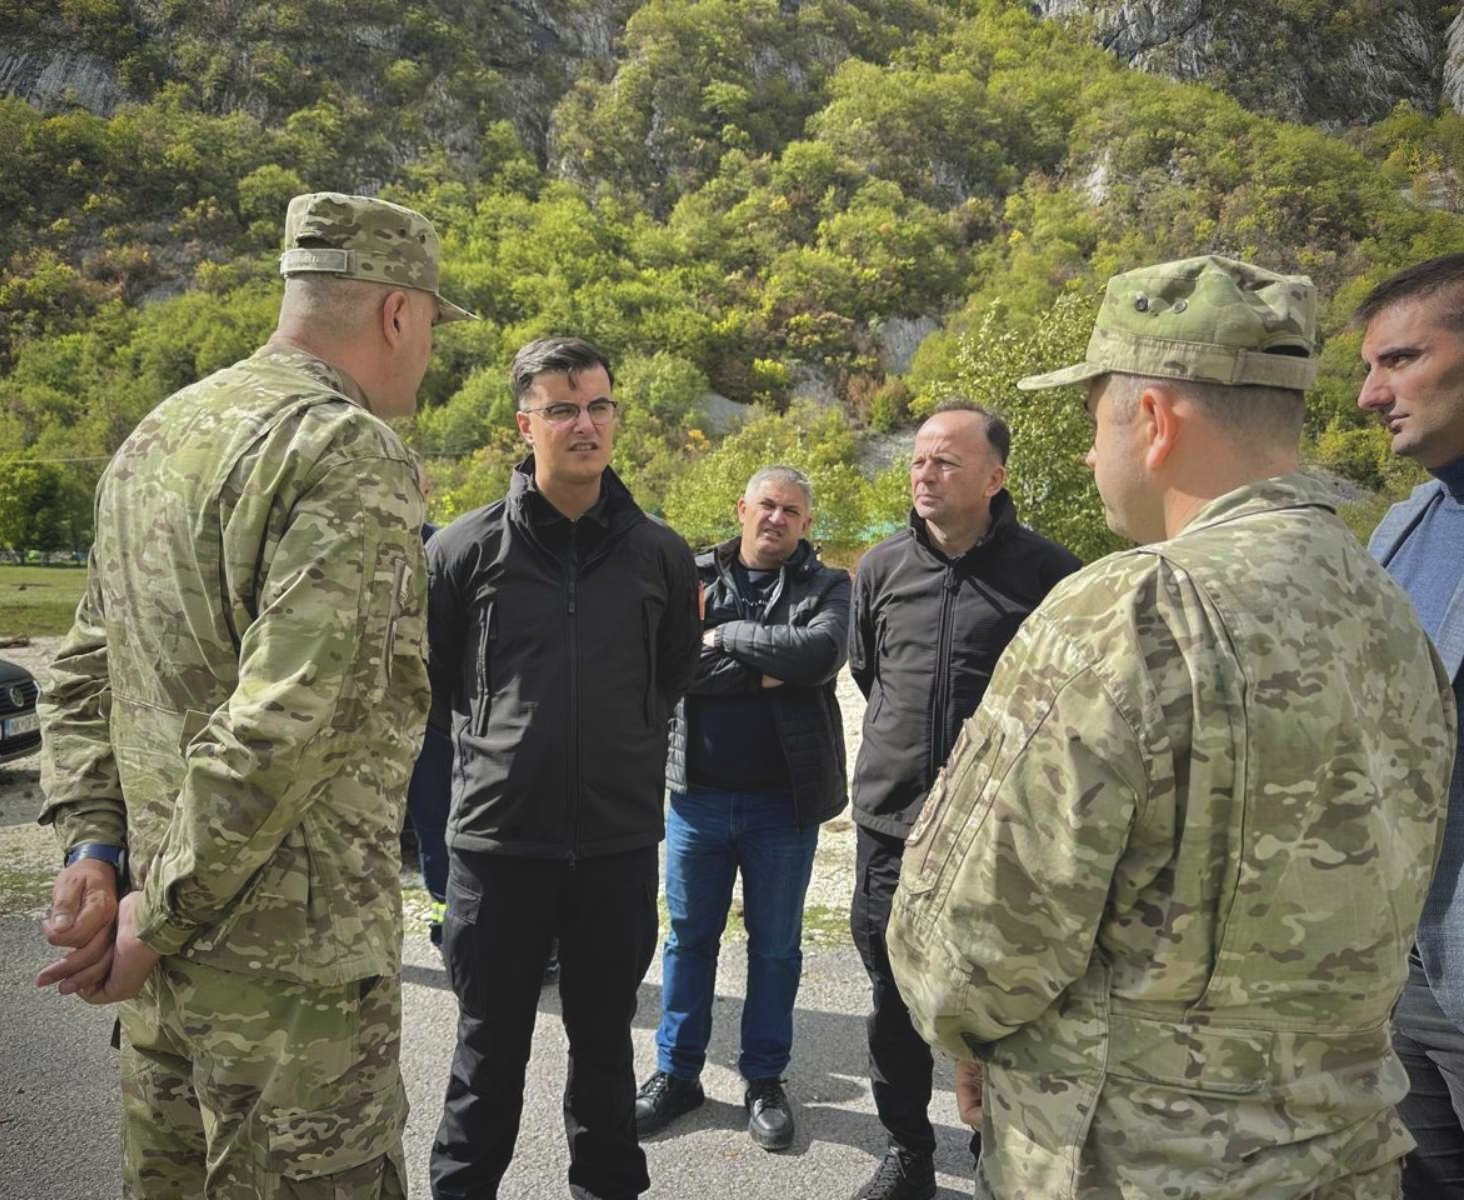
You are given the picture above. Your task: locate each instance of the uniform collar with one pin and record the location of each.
(325, 373)
(1296, 490)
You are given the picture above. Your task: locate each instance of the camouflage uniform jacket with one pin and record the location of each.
(243, 692)
(1166, 884)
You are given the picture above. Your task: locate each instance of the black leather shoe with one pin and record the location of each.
(900, 1177)
(769, 1119)
(662, 1098)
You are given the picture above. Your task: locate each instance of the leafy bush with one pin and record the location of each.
(702, 502)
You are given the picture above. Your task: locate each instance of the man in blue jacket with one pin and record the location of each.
(1413, 347)
(756, 763)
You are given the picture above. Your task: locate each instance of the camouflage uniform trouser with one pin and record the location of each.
(1381, 1183)
(235, 1088)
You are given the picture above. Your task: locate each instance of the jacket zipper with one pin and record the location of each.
(938, 696)
(572, 579)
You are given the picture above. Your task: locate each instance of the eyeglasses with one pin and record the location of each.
(602, 412)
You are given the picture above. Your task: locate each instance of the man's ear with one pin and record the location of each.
(396, 312)
(996, 481)
(1159, 424)
(521, 418)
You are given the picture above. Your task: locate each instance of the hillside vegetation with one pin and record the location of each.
(744, 197)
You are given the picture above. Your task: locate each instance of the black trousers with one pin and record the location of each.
(900, 1063)
(1432, 1048)
(502, 915)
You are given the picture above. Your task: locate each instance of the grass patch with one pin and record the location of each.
(24, 889)
(39, 601)
(822, 925)
(825, 926)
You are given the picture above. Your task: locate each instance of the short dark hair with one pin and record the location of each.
(997, 431)
(1442, 274)
(1246, 412)
(549, 356)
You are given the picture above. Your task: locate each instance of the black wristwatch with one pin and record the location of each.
(116, 855)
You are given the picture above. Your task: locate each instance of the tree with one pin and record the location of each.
(42, 507)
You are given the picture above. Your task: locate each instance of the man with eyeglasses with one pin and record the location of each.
(562, 629)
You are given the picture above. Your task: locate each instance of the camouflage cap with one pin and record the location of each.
(364, 238)
(1209, 318)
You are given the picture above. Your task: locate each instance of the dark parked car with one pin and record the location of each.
(20, 727)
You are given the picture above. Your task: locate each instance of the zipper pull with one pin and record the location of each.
(571, 595)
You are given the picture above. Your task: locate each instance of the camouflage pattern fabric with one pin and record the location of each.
(1210, 319)
(360, 237)
(243, 693)
(299, 1085)
(1166, 884)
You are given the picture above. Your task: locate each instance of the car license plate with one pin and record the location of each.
(18, 725)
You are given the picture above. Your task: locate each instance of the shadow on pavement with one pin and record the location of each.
(828, 1072)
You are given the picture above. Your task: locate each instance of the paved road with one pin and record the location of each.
(58, 1091)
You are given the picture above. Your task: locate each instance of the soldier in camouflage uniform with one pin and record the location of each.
(237, 708)
(1165, 886)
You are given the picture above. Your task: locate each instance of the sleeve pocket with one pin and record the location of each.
(376, 630)
(959, 797)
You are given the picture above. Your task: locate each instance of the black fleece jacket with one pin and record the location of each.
(924, 637)
(557, 651)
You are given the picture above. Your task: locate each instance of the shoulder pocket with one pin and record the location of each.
(382, 608)
(957, 803)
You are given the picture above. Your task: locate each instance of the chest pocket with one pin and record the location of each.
(479, 668)
(954, 810)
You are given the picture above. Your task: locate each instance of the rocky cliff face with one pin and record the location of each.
(1332, 62)
(51, 76)
(1453, 88)
(1320, 61)
(454, 60)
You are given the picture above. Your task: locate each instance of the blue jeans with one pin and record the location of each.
(1432, 1048)
(710, 836)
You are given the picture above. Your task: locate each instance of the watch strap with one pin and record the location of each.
(116, 855)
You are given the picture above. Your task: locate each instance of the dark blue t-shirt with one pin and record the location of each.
(732, 741)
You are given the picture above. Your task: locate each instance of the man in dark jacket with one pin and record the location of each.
(563, 629)
(934, 607)
(757, 762)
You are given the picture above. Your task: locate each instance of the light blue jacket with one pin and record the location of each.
(1441, 928)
